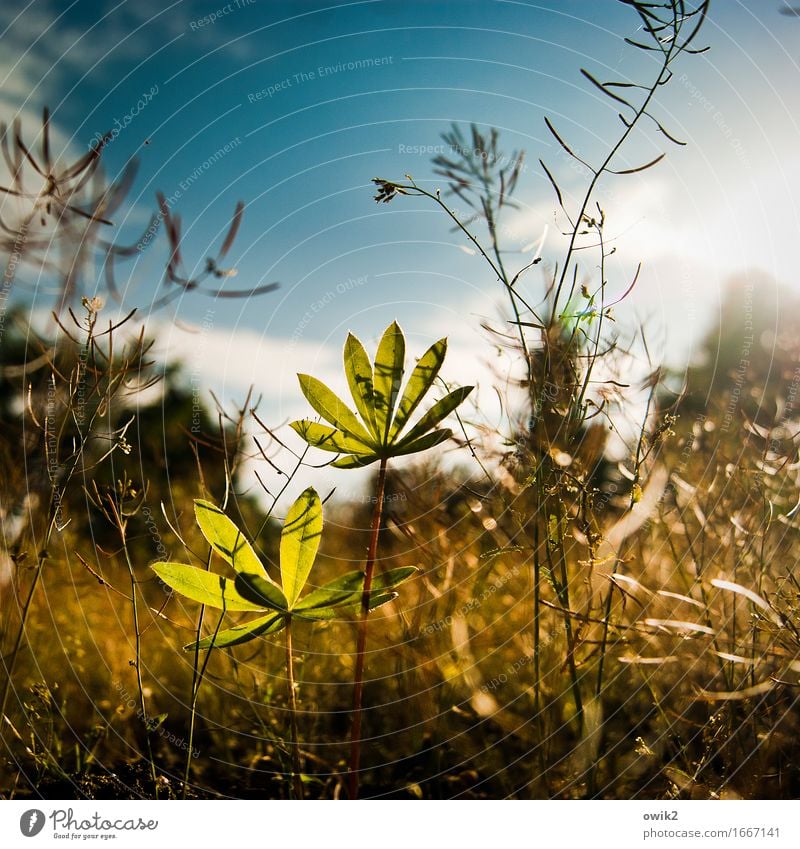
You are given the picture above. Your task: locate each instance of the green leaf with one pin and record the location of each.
(241, 633)
(380, 599)
(419, 383)
(376, 392)
(347, 588)
(393, 577)
(423, 443)
(388, 377)
(300, 540)
(326, 613)
(206, 587)
(436, 413)
(226, 539)
(328, 438)
(354, 461)
(331, 407)
(259, 590)
(359, 378)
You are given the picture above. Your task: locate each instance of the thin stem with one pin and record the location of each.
(594, 357)
(361, 644)
(492, 225)
(537, 632)
(496, 265)
(55, 512)
(193, 709)
(198, 674)
(297, 781)
(561, 588)
(571, 644)
(629, 126)
(138, 650)
(9, 276)
(11, 666)
(598, 690)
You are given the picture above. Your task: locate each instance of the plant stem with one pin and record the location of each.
(601, 665)
(138, 648)
(538, 707)
(561, 588)
(12, 663)
(9, 276)
(193, 710)
(571, 644)
(361, 644)
(198, 674)
(10, 667)
(496, 265)
(297, 782)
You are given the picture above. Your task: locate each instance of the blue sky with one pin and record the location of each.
(303, 145)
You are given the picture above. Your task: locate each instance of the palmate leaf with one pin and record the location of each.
(419, 383)
(376, 395)
(388, 377)
(253, 591)
(423, 443)
(358, 371)
(437, 412)
(206, 587)
(300, 540)
(355, 461)
(226, 539)
(332, 408)
(240, 633)
(342, 611)
(329, 438)
(260, 591)
(347, 589)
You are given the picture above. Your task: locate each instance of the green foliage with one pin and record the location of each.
(226, 539)
(375, 430)
(253, 590)
(299, 543)
(206, 587)
(530, 575)
(376, 435)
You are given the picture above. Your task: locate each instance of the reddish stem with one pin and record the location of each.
(361, 644)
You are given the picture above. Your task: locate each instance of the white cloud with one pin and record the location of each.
(228, 361)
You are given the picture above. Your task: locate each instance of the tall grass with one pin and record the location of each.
(584, 625)
(570, 360)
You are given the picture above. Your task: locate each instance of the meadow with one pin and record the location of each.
(594, 599)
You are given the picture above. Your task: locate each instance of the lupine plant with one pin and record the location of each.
(375, 432)
(254, 590)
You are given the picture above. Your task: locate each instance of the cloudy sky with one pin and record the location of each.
(292, 107)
